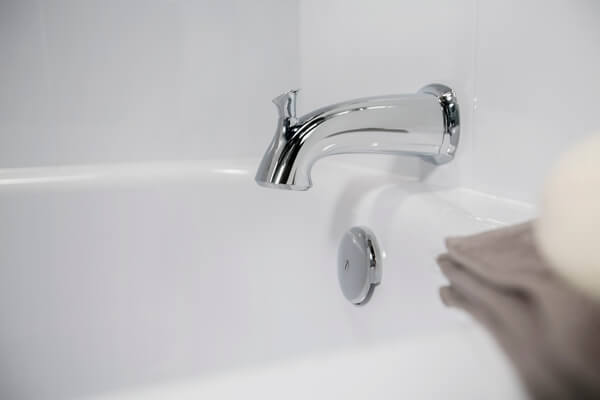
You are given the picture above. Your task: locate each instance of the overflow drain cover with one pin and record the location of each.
(359, 265)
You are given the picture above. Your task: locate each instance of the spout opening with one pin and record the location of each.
(282, 186)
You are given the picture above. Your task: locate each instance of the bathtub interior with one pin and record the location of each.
(122, 276)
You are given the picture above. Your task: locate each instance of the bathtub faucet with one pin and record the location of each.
(425, 124)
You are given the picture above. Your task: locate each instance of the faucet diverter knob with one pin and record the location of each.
(286, 104)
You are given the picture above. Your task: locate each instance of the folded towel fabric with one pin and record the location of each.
(548, 328)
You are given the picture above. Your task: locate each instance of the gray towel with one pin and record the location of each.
(549, 330)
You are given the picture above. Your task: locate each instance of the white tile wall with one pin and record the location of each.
(110, 80)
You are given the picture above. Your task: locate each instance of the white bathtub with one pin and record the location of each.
(188, 280)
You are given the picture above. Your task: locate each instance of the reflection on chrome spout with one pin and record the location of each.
(425, 124)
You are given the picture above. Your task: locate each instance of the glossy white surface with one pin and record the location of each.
(100, 81)
(105, 81)
(431, 366)
(353, 48)
(537, 87)
(116, 278)
(175, 279)
(525, 74)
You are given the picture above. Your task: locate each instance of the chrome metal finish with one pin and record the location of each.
(359, 265)
(425, 124)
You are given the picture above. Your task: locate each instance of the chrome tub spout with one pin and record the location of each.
(425, 124)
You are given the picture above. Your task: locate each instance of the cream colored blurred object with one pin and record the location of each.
(568, 229)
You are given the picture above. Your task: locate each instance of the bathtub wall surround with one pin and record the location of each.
(105, 81)
(125, 81)
(525, 74)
